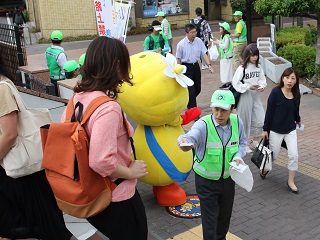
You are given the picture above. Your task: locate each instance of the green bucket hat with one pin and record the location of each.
(81, 59)
(238, 13)
(56, 35)
(222, 99)
(70, 66)
(225, 25)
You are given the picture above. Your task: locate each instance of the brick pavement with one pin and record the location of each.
(270, 210)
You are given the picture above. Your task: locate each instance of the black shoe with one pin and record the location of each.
(295, 191)
(263, 175)
(225, 86)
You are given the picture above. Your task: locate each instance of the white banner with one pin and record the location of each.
(112, 18)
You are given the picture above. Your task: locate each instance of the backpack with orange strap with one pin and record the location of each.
(79, 190)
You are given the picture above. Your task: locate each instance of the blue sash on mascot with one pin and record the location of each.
(162, 157)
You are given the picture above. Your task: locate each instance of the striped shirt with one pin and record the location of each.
(190, 52)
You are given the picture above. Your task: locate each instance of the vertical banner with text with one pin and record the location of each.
(112, 18)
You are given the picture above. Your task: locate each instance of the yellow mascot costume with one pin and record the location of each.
(155, 101)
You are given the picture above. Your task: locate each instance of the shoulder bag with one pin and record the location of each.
(25, 156)
(235, 93)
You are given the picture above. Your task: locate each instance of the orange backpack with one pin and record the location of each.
(79, 191)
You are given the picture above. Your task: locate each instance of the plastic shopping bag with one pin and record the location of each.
(242, 176)
(213, 52)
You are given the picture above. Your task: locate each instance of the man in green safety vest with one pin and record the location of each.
(56, 58)
(166, 28)
(239, 38)
(217, 139)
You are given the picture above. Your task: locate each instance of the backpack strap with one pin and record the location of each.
(95, 103)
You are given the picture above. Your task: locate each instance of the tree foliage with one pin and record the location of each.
(291, 8)
(238, 5)
(288, 8)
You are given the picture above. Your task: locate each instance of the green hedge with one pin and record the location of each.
(302, 58)
(292, 36)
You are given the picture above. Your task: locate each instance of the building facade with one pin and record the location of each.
(77, 17)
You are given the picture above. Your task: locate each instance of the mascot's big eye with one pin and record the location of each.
(142, 56)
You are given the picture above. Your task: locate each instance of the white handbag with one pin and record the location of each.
(25, 156)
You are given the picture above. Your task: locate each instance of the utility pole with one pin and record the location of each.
(249, 20)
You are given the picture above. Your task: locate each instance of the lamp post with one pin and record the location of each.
(249, 20)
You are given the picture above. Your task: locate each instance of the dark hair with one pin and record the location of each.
(106, 67)
(224, 32)
(250, 50)
(155, 23)
(295, 89)
(56, 41)
(198, 11)
(189, 27)
(4, 71)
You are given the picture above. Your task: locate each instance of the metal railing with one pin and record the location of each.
(12, 47)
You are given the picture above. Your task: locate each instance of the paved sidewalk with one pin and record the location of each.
(270, 210)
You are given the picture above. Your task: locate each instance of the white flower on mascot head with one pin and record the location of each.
(175, 70)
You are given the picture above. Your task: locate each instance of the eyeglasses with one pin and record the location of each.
(193, 32)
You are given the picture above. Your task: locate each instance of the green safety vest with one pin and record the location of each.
(52, 55)
(216, 159)
(169, 31)
(229, 52)
(243, 36)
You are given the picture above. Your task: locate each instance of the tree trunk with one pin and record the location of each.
(300, 21)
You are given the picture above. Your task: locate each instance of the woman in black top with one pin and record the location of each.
(281, 119)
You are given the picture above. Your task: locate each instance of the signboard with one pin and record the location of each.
(112, 18)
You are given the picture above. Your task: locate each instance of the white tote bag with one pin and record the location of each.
(25, 156)
(213, 52)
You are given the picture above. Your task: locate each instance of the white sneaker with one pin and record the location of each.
(248, 150)
(204, 67)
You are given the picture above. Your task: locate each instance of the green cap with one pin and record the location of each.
(56, 35)
(160, 14)
(70, 66)
(238, 13)
(225, 25)
(81, 59)
(222, 99)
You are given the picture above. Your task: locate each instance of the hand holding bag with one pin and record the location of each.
(213, 52)
(262, 156)
(25, 156)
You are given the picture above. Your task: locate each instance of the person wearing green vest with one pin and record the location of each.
(217, 139)
(226, 54)
(56, 58)
(166, 28)
(239, 39)
(156, 41)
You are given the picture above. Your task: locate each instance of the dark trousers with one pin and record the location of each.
(193, 72)
(123, 220)
(56, 90)
(216, 201)
(28, 209)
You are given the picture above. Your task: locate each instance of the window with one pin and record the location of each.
(170, 7)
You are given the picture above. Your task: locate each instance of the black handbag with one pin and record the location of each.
(260, 155)
(235, 93)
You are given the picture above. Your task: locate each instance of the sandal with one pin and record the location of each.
(263, 175)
